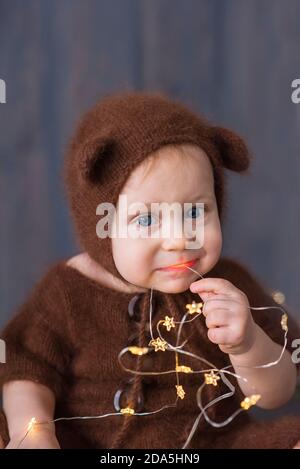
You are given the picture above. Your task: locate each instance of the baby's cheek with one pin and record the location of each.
(134, 259)
(121, 253)
(213, 240)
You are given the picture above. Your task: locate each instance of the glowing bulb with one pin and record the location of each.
(194, 307)
(31, 424)
(183, 369)
(250, 401)
(127, 410)
(284, 319)
(211, 378)
(138, 350)
(279, 297)
(180, 391)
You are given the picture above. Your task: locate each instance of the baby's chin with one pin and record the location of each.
(174, 286)
(172, 290)
(174, 283)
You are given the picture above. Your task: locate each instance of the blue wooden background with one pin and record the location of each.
(233, 60)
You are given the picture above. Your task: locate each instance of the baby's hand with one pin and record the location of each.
(41, 437)
(230, 323)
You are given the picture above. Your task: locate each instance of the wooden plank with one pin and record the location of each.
(232, 60)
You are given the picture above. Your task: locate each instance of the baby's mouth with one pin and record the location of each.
(182, 266)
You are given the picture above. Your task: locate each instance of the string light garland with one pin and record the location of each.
(212, 375)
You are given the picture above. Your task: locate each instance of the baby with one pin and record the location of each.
(130, 293)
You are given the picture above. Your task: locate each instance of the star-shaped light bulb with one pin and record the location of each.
(180, 391)
(158, 344)
(283, 323)
(168, 323)
(250, 401)
(211, 378)
(183, 369)
(138, 350)
(127, 410)
(194, 307)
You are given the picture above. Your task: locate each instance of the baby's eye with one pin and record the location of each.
(196, 211)
(145, 220)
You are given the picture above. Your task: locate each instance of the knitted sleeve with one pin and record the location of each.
(258, 295)
(37, 339)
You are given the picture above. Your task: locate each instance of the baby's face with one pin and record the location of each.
(171, 179)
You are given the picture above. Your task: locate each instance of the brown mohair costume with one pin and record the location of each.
(57, 349)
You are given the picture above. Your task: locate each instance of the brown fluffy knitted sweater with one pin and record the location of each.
(68, 334)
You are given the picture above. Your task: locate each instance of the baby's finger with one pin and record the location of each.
(217, 318)
(216, 285)
(224, 302)
(220, 335)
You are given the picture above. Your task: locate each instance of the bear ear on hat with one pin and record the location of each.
(93, 155)
(232, 148)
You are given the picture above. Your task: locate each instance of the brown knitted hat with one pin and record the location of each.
(115, 136)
